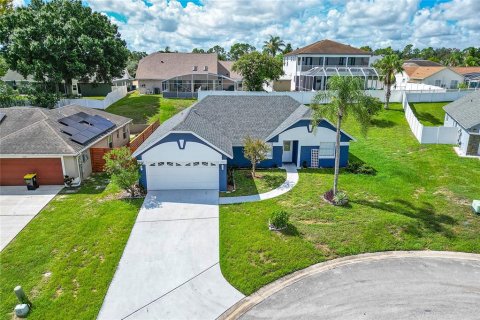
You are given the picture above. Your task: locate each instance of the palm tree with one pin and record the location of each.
(345, 97)
(389, 66)
(273, 45)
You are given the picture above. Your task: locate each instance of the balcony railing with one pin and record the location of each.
(305, 67)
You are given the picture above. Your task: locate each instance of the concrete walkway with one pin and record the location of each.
(292, 179)
(385, 285)
(18, 206)
(170, 266)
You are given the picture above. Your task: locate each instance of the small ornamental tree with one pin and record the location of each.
(255, 150)
(122, 168)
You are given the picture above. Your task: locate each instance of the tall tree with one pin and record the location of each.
(345, 97)
(5, 6)
(407, 51)
(3, 66)
(389, 66)
(258, 68)
(221, 53)
(198, 50)
(366, 48)
(62, 40)
(273, 45)
(288, 48)
(133, 58)
(239, 49)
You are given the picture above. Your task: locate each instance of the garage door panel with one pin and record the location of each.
(49, 171)
(182, 177)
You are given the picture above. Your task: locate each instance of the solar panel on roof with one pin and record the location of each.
(84, 127)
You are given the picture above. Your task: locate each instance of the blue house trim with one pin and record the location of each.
(240, 161)
(305, 123)
(306, 155)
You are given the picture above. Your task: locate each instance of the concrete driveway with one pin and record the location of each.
(18, 206)
(170, 266)
(392, 288)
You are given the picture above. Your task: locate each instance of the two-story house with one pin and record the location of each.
(309, 68)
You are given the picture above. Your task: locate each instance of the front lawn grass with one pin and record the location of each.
(148, 108)
(265, 180)
(66, 256)
(418, 200)
(95, 98)
(429, 113)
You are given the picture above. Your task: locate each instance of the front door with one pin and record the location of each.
(287, 151)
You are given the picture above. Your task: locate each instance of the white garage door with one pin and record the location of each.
(172, 176)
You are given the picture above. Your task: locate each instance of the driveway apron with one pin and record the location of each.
(170, 266)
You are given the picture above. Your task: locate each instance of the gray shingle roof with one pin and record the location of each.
(466, 110)
(225, 121)
(27, 130)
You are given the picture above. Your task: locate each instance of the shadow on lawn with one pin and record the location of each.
(382, 123)
(424, 213)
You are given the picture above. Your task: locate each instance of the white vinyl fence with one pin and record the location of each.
(306, 97)
(425, 134)
(116, 94)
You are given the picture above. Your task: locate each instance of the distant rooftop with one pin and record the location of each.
(417, 62)
(466, 110)
(329, 47)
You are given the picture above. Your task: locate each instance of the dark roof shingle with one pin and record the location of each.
(329, 47)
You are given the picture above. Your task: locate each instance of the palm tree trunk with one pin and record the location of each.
(337, 155)
(253, 169)
(388, 93)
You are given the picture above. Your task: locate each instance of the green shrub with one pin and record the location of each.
(279, 220)
(360, 168)
(340, 198)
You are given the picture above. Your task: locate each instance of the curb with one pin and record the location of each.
(247, 303)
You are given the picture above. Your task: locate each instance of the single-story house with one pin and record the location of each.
(438, 76)
(193, 149)
(183, 74)
(56, 142)
(464, 114)
(471, 75)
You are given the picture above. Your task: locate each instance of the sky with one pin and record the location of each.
(151, 25)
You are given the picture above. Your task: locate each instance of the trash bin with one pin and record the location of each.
(31, 181)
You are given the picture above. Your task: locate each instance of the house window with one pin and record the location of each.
(125, 132)
(326, 149)
(314, 158)
(143, 85)
(195, 68)
(110, 141)
(438, 83)
(341, 61)
(454, 84)
(205, 68)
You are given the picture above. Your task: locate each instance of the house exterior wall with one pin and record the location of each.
(117, 138)
(71, 167)
(240, 161)
(443, 79)
(148, 86)
(467, 140)
(306, 157)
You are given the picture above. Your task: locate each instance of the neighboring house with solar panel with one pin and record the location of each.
(183, 74)
(56, 142)
(464, 114)
(310, 67)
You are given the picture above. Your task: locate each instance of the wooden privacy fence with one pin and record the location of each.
(138, 140)
(96, 154)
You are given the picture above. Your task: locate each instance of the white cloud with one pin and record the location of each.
(356, 22)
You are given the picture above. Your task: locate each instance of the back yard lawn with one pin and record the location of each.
(148, 108)
(66, 257)
(430, 113)
(418, 200)
(264, 181)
